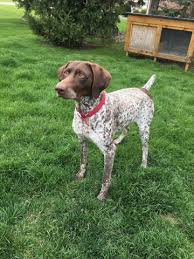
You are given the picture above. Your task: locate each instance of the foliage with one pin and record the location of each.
(168, 12)
(140, 11)
(183, 2)
(186, 4)
(131, 3)
(154, 6)
(68, 23)
(183, 11)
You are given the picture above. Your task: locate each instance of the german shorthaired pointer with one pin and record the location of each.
(98, 115)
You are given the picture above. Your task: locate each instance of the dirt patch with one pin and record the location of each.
(170, 218)
(88, 46)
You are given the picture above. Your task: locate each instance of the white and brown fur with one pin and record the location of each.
(121, 108)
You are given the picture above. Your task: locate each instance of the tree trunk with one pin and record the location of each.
(153, 6)
(192, 9)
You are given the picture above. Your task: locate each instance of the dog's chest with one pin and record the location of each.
(91, 128)
(81, 126)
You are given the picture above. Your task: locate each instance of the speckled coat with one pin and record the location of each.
(120, 109)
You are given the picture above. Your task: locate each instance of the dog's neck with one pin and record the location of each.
(87, 103)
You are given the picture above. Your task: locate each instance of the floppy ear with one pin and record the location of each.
(61, 70)
(101, 79)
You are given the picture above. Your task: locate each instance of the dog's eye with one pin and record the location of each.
(66, 73)
(81, 75)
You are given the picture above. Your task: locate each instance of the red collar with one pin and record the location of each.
(84, 116)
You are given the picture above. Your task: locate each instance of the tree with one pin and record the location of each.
(69, 23)
(192, 9)
(184, 10)
(153, 6)
(185, 4)
(128, 4)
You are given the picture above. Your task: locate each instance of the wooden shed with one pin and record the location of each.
(161, 37)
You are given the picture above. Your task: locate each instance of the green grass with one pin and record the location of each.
(6, 1)
(122, 24)
(44, 211)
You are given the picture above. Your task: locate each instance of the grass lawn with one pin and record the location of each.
(122, 24)
(44, 211)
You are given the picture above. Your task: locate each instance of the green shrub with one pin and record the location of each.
(128, 4)
(68, 23)
(140, 11)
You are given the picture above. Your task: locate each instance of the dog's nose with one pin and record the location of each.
(59, 89)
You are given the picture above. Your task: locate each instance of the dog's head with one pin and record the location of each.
(81, 78)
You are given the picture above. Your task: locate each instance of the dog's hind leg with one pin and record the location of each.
(144, 129)
(144, 135)
(121, 137)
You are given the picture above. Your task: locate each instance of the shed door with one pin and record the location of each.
(143, 37)
(175, 42)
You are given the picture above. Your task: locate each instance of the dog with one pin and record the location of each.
(98, 115)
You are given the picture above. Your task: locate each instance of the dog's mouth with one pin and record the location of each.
(60, 95)
(66, 94)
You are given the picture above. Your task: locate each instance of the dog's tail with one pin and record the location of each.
(150, 82)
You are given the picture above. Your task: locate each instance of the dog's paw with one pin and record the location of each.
(101, 196)
(144, 165)
(79, 176)
(117, 141)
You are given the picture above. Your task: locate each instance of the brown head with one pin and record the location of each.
(81, 78)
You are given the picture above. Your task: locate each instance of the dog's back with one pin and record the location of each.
(128, 104)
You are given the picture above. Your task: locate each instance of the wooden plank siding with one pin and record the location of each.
(143, 37)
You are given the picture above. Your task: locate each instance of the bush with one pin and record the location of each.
(68, 23)
(139, 11)
(128, 4)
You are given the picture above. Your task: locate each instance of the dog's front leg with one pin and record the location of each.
(83, 158)
(109, 155)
